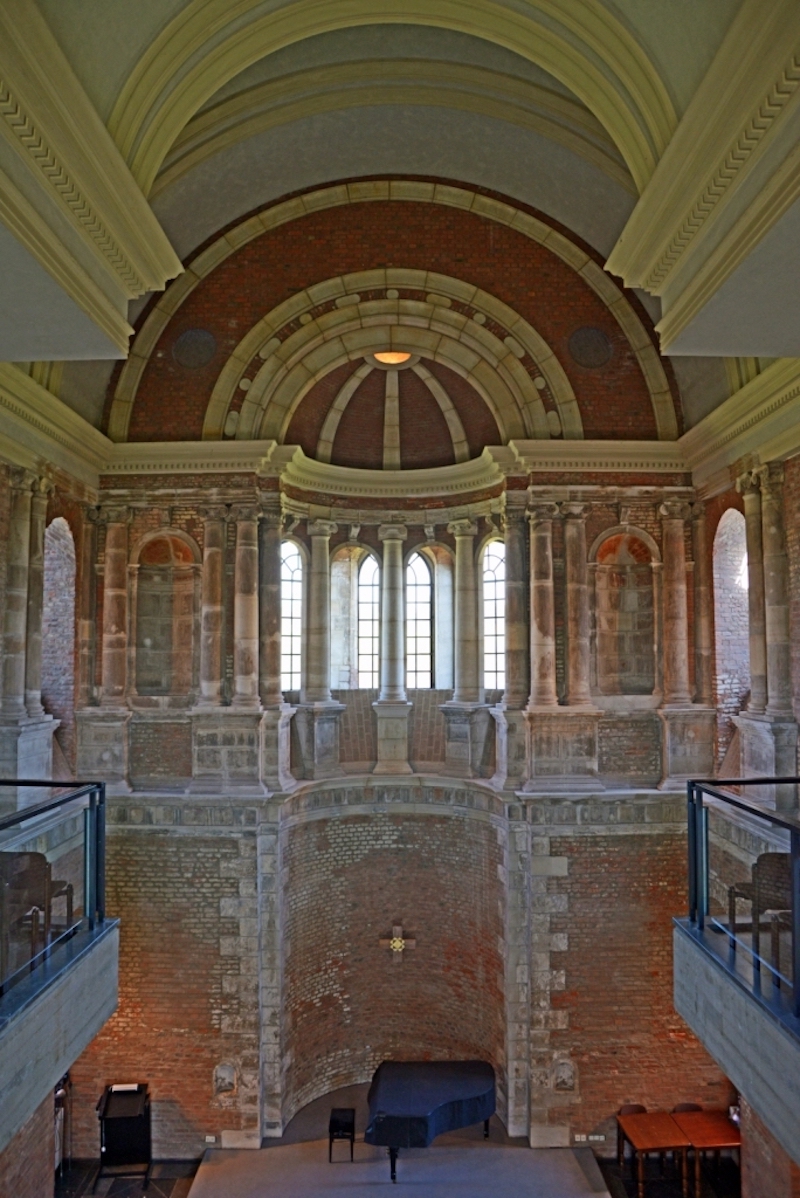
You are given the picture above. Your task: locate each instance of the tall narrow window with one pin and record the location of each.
(291, 616)
(419, 625)
(494, 616)
(369, 624)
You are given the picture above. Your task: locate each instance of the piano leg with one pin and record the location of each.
(486, 1129)
(393, 1162)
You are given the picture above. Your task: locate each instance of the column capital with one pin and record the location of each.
(322, 528)
(214, 512)
(21, 479)
(698, 511)
(462, 528)
(540, 511)
(770, 476)
(674, 509)
(270, 518)
(115, 513)
(573, 510)
(43, 486)
(747, 483)
(392, 532)
(244, 512)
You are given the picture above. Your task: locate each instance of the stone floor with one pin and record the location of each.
(718, 1182)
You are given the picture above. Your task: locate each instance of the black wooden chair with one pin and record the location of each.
(769, 890)
(627, 1108)
(342, 1126)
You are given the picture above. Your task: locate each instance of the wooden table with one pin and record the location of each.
(655, 1131)
(707, 1130)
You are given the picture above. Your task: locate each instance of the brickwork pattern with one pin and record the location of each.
(160, 750)
(791, 516)
(620, 1033)
(767, 1170)
(348, 1003)
(629, 749)
(172, 401)
(188, 994)
(26, 1163)
(58, 633)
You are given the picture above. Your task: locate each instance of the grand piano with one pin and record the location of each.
(413, 1102)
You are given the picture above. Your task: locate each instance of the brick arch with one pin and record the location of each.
(183, 549)
(454, 211)
(620, 531)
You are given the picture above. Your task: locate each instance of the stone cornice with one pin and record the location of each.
(305, 474)
(47, 119)
(600, 457)
(762, 420)
(696, 195)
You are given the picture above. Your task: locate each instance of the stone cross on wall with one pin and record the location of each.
(397, 942)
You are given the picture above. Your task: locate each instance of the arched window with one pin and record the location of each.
(494, 616)
(291, 616)
(419, 625)
(369, 624)
(731, 625)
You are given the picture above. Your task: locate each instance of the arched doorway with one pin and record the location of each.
(731, 623)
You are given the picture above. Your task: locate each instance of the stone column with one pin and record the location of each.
(133, 623)
(676, 617)
(33, 656)
(703, 639)
(748, 488)
(317, 687)
(392, 707)
(245, 608)
(16, 609)
(578, 689)
(517, 635)
(466, 614)
(211, 613)
(269, 612)
(393, 648)
(86, 609)
(543, 634)
(776, 592)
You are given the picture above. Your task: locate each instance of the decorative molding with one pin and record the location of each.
(594, 457)
(210, 41)
(743, 107)
(304, 474)
(761, 420)
(444, 84)
(49, 121)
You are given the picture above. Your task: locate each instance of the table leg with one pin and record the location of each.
(685, 1172)
(698, 1178)
(393, 1162)
(641, 1159)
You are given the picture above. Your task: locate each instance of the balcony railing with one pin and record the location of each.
(52, 870)
(744, 886)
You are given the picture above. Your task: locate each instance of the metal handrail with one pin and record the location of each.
(94, 855)
(698, 861)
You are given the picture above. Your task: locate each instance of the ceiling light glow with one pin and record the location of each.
(391, 358)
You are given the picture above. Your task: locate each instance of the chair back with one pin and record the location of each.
(772, 874)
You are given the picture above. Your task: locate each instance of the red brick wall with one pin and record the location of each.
(623, 1035)
(183, 1006)
(348, 1004)
(426, 730)
(767, 1171)
(27, 1163)
(172, 400)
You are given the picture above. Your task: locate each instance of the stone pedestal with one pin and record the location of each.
(467, 740)
(687, 745)
(103, 746)
(392, 738)
(562, 749)
(26, 747)
(511, 754)
(276, 771)
(769, 750)
(226, 751)
(317, 727)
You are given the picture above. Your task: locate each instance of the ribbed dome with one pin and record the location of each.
(373, 416)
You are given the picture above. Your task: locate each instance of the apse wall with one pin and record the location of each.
(346, 881)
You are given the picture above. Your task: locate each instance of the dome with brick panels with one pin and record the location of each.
(392, 411)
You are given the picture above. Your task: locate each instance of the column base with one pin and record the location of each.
(276, 749)
(226, 751)
(26, 746)
(511, 757)
(392, 728)
(562, 749)
(687, 737)
(104, 746)
(468, 743)
(317, 727)
(769, 750)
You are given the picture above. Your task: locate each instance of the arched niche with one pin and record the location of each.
(165, 607)
(625, 626)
